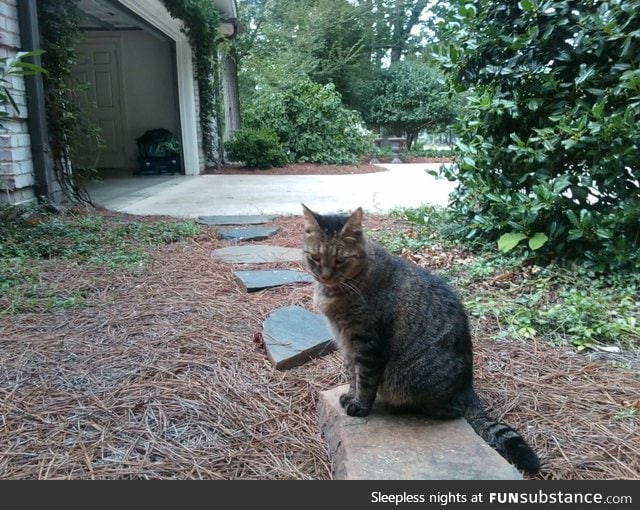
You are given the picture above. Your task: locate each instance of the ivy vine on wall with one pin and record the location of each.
(201, 20)
(68, 127)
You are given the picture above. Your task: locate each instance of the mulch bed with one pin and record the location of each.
(314, 168)
(160, 374)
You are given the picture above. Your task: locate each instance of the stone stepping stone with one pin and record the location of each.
(253, 281)
(247, 233)
(292, 336)
(386, 446)
(257, 254)
(234, 220)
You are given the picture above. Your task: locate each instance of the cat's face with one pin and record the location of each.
(333, 245)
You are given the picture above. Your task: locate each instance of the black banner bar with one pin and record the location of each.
(328, 494)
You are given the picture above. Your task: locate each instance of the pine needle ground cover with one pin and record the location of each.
(141, 358)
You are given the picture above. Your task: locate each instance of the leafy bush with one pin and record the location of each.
(550, 144)
(311, 122)
(257, 148)
(425, 153)
(409, 97)
(14, 67)
(560, 305)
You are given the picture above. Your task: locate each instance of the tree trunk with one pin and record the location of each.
(411, 139)
(402, 25)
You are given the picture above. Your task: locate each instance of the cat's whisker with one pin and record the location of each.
(353, 289)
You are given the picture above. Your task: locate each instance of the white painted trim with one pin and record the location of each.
(188, 117)
(154, 12)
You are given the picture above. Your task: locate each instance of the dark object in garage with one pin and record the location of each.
(158, 152)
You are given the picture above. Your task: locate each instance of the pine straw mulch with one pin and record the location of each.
(316, 168)
(297, 169)
(159, 375)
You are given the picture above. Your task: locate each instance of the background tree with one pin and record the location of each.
(409, 97)
(393, 23)
(550, 145)
(343, 42)
(346, 43)
(310, 122)
(290, 40)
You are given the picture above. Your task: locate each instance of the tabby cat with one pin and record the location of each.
(402, 330)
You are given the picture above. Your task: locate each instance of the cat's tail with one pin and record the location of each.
(502, 437)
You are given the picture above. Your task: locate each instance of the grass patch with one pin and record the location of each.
(33, 242)
(558, 304)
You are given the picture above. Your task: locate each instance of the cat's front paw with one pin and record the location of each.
(345, 398)
(353, 407)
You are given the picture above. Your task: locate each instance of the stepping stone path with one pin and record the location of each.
(257, 254)
(234, 220)
(253, 281)
(291, 335)
(247, 233)
(381, 446)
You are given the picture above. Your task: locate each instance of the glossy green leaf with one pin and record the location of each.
(537, 240)
(525, 5)
(508, 242)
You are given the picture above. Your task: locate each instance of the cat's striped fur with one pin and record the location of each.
(402, 330)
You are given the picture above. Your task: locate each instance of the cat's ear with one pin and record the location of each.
(310, 220)
(354, 223)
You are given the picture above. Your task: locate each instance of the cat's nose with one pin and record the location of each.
(326, 274)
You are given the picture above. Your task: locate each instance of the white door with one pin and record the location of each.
(98, 66)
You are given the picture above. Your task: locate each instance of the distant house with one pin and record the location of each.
(139, 64)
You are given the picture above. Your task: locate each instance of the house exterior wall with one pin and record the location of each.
(16, 166)
(17, 178)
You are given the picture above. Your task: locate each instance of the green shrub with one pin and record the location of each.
(426, 153)
(562, 305)
(410, 97)
(311, 122)
(256, 148)
(549, 147)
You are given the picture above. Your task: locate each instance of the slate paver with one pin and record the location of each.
(257, 254)
(385, 446)
(292, 336)
(247, 233)
(253, 281)
(257, 219)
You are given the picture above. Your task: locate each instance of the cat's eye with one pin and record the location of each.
(340, 261)
(314, 257)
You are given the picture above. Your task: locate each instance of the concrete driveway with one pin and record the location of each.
(402, 185)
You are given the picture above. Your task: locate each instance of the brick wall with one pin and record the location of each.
(16, 167)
